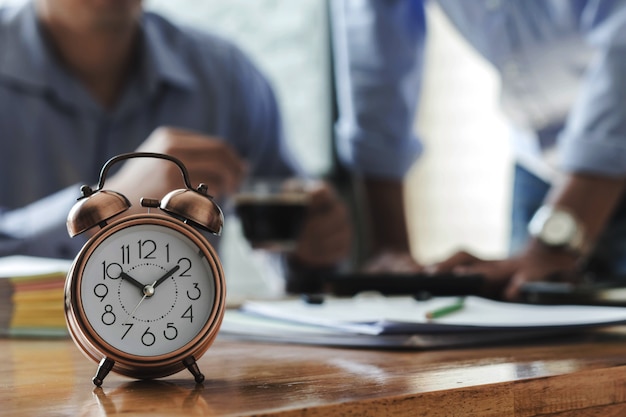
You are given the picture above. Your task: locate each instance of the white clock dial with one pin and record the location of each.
(147, 290)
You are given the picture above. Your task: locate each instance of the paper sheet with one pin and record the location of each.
(402, 315)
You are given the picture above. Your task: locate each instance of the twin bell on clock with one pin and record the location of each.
(145, 295)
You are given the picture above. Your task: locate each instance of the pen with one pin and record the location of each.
(445, 310)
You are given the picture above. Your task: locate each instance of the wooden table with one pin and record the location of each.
(574, 377)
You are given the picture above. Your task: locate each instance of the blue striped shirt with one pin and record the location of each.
(54, 136)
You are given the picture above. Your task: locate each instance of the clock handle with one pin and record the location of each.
(122, 157)
(193, 206)
(96, 207)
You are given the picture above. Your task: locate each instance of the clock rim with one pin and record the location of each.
(143, 367)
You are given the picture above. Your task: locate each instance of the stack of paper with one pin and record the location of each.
(402, 322)
(31, 296)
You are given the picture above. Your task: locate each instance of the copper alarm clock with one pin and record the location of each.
(145, 295)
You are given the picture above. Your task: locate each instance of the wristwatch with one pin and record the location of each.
(558, 228)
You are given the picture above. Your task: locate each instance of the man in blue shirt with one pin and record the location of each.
(84, 80)
(563, 70)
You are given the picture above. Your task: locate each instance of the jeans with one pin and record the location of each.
(607, 260)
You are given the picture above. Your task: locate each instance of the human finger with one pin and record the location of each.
(458, 259)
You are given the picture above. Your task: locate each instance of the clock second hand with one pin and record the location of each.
(148, 291)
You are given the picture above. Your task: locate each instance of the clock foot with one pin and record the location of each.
(104, 368)
(191, 364)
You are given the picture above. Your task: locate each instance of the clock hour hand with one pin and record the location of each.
(132, 280)
(165, 276)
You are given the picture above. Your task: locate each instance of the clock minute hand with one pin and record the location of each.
(165, 276)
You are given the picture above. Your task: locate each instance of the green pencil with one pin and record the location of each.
(445, 310)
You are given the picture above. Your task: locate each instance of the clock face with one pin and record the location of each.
(147, 290)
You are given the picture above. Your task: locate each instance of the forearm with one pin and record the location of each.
(39, 229)
(591, 199)
(386, 216)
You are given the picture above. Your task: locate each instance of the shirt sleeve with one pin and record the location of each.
(39, 229)
(594, 138)
(378, 58)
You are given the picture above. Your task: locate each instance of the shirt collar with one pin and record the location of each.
(162, 61)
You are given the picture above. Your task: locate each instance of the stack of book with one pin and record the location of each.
(31, 296)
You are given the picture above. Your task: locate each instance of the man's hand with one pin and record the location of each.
(326, 235)
(505, 277)
(393, 262)
(208, 160)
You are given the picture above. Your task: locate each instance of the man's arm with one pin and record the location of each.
(592, 151)
(387, 218)
(390, 249)
(39, 229)
(591, 199)
(378, 50)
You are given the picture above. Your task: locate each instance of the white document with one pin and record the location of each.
(405, 315)
(249, 327)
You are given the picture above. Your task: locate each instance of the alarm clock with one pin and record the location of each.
(145, 295)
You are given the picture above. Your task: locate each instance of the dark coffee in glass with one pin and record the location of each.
(272, 220)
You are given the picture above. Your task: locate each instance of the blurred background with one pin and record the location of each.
(458, 190)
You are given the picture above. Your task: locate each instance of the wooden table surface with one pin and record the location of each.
(577, 376)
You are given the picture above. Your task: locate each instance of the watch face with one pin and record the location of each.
(147, 289)
(559, 228)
